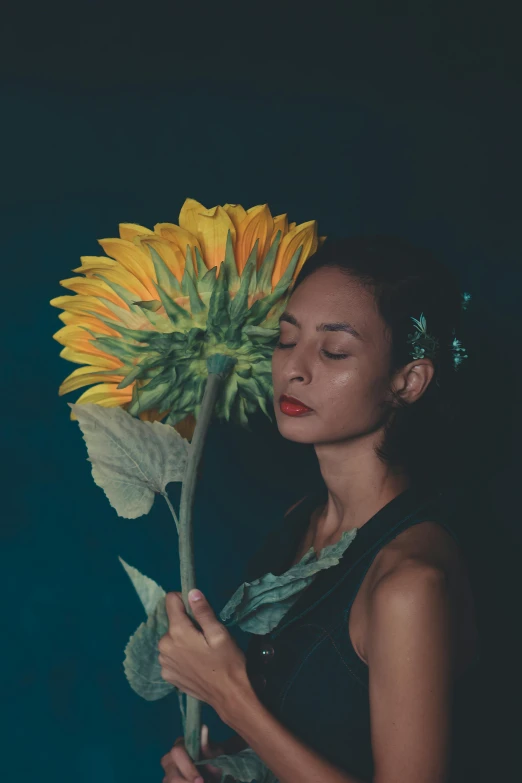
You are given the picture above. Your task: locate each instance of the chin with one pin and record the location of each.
(296, 429)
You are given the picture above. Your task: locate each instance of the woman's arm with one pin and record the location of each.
(284, 754)
(410, 659)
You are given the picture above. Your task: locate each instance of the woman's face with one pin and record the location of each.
(346, 394)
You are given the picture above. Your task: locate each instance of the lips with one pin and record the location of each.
(292, 406)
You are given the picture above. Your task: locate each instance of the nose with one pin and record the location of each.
(296, 365)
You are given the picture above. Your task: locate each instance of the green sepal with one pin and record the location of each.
(194, 336)
(141, 335)
(238, 305)
(201, 267)
(136, 371)
(262, 307)
(242, 418)
(208, 281)
(218, 318)
(189, 285)
(117, 347)
(122, 292)
(250, 389)
(230, 263)
(228, 396)
(165, 278)
(173, 310)
(265, 271)
(143, 400)
(176, 415)
(261, 333)
(149, 304)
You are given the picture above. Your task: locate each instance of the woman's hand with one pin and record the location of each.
(206, 664)
(180, 768)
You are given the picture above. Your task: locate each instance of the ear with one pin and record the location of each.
(413, 379)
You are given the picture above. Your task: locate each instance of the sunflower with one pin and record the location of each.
(145, 318)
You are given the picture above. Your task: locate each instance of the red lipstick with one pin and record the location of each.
(292, 406)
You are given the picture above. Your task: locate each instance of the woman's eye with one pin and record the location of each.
(335, 355)
(326, 353)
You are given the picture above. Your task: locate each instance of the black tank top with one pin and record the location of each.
(306, 670)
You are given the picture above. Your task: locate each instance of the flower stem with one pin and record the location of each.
(192, 733)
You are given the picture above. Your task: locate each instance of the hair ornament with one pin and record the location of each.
(426, 346)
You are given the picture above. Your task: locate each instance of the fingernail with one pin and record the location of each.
(194, 595)
(199, 780)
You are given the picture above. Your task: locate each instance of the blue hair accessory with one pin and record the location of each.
(426, 346)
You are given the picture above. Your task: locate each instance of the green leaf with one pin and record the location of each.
(258, 606)
(244, 767)
(141, 664)
(132, 460)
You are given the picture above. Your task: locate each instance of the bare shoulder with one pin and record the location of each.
(421, 562)
(426, 545)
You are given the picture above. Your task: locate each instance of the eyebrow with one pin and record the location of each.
(338, 326)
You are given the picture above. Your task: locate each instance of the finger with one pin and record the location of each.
(184, 763)
(212, 629)
(176, 610)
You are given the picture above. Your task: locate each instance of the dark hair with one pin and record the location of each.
(422, 437)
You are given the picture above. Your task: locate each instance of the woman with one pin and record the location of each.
(365, 678)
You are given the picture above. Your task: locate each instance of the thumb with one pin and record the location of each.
(204, 614)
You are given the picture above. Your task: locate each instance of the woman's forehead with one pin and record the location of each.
(331, 294)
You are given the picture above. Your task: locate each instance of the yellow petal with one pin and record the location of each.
(257, 225)
(85, 376)
(82, 304)
(179, 237)
(280, 224)
(171, 254)
(115, 273)
(77, 339)
(236, 213)
(211, 227)
(131, 230)
(132, 258)
(306, 235)
(90, 321)
(93, 264)
(98, 360)
(93, 287)
(106, 394)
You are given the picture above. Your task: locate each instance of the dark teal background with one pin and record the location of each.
(402, 120)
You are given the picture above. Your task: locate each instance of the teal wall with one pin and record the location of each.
(390, 136)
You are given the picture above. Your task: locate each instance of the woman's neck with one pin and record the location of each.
(358, 486)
